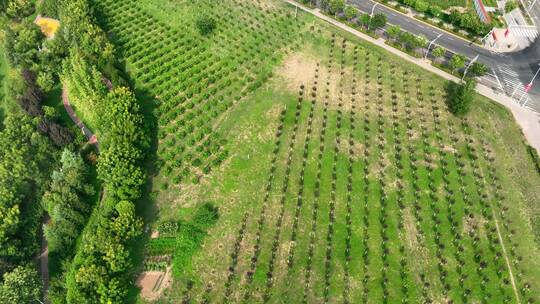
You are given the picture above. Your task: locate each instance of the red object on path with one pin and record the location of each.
(494, 35)
(528, 87)
(506, 32)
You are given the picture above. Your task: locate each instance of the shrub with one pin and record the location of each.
(350, 12)
(378, 21)
(510, 6)
(22, 285)
(206, 25)
(18, 9)
(421, 6)
(478, 69)
(439, 52)
(393, 31)
(457, 62)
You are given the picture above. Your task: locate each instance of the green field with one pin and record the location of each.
(338, 173)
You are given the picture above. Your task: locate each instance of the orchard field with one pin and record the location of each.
(338, 173)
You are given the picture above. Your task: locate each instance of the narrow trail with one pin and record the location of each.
(506, 257)
(92, 139)
(44, 261)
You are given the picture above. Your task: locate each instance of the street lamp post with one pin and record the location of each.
(429, 46)
(468, 66)
(529, 85)
(371, 15)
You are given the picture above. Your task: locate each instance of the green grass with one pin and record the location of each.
(397, 195)
(54, 99)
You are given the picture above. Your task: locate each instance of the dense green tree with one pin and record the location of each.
(409, 2)
(123, 145)
(85, 86)
(19, 9)
(48, 8)
(22, 285)
(510, 6)
(66, 202)
(25, 158)
(454, 17)
(378, 21)
(457, 62)
(460, 97)
(119, 168)
(364, 20)
(435, 11)
(83, 35)
(94, 277)
(421, 6)
(478, 69)
(22, 44)
(122, 119)
(438, 52)
(205, 25)
(393, 31)
(336, 6)
(411, 41)
(350, 12)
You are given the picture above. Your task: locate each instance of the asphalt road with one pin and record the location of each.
(511, 68)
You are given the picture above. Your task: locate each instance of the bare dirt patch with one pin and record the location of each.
(411, 234)
(474, 224)
(356, 148)
(153, 283)
(299, 69)
(449, 149)
(332, 85)
(269, 131)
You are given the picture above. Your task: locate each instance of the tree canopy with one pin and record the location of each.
(22, 285)
(66, 202)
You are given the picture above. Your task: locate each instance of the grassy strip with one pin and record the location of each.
(190, 237)
(535, 158)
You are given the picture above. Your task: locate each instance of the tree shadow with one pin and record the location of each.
(146, 206)
(450, 89)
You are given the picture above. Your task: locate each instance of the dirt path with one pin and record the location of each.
(44, 261)
(528, 120)
(92, 139)
(506, 257)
